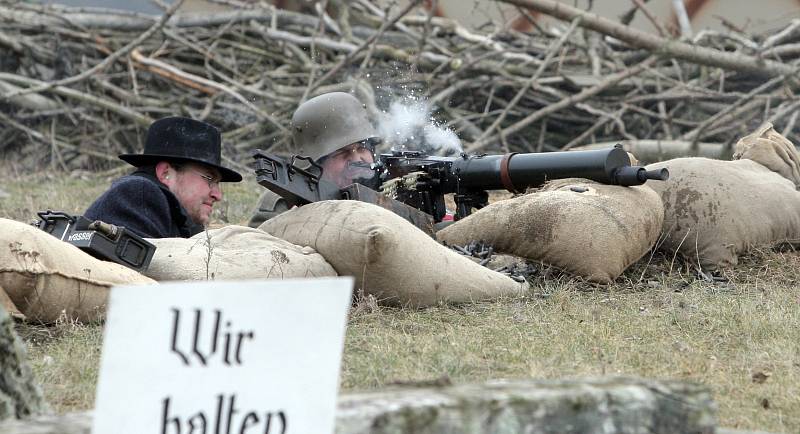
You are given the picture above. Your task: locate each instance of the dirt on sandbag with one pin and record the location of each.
(715, 210)
(592, 230)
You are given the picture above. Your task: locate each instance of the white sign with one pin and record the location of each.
(223, 357)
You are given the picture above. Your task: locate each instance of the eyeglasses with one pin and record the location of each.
(208, 178)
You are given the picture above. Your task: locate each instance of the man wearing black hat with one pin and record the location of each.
(176, 183)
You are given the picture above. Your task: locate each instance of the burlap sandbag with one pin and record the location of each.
(389, 257)
(716, 209)
(9, 306)
(234, 252)
(773, 151)
(589, 229)
(46, 278)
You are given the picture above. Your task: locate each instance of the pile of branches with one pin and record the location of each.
(80, 86)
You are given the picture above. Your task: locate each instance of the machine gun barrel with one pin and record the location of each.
(516, 172)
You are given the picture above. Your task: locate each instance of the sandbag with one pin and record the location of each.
(46, 278)
(389, 257)
(715, 210)
(9, 306)
(234, 252)
(770, 149)
(592, 230)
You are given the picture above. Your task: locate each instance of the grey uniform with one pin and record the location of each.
(320, 126)
(269, 205)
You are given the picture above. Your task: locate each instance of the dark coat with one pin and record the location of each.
(143, 205)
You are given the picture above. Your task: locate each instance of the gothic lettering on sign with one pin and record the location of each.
(222, 342)
(226, 419)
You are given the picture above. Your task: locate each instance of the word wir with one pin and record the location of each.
(222, 338)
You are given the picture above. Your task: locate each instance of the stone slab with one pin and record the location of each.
(600, 405)
(19, 395)
(596, 405)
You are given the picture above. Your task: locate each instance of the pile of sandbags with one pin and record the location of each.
(389, 257)
(709, 211)
(715, 210)
(7, 305)
(46, 278)
(234, 252)
(592, 230)
(770, 149)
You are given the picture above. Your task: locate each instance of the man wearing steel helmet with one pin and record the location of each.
(334, 130)
(175, 186)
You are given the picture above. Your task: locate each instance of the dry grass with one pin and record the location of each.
(741, 338)
(727, 336)
(66, 361)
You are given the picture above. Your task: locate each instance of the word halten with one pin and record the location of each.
(231, 351)
(224, 420)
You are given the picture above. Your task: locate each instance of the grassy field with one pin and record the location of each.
(741, 337)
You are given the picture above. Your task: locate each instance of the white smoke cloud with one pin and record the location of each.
(448, 141)
(409, 126)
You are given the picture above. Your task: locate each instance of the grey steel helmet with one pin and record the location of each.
(329, 122)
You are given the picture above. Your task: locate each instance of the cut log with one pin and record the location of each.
(651, 151)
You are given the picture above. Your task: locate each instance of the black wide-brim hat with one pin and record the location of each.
(183, 140)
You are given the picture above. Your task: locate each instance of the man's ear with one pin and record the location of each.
(165, 173)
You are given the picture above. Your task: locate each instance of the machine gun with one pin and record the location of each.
(420, 181)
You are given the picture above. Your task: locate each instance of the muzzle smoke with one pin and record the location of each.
(409, 126)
